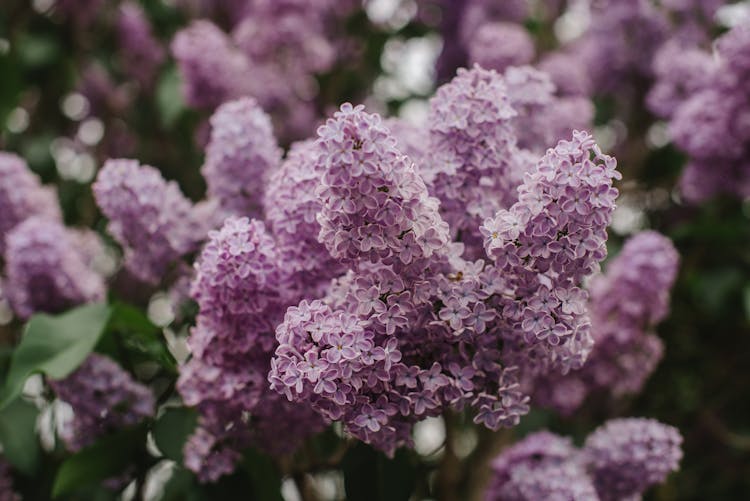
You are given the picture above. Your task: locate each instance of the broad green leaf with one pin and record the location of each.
(54, 346)
(172, 430)
(106, 458)
(18, 435)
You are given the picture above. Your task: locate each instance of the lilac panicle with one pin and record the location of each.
(104, 398)
(375, 206)
(623, 296)
(22, 195)
(213, 69)
(568, 72)
(238, 280)
(148, 216)
(140, 52)
(478, 12)
(242, 290)
(710, 124)
(541, 466)
(495, 46)
(626, 304)
(291, 205)
(549, 241)
(241, 154)
(47, 269)
(627, 456)
(619, 460)
(543, 117)
(472, 167)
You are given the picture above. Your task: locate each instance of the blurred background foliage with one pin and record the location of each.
(702, 385)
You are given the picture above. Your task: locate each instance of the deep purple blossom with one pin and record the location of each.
(148, 216)
(104, 398)
(47, 268)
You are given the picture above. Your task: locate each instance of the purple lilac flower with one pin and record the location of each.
(620, 44)
(541, 466)
(711, 124)
(478, 12)
(473, 165)
(495, 46)
(627, 456)
(213, 69)
(375, 206)
(242, 289)
(543, 118)
(568, 72)
(411, 139)
(679, 71)
(619, 460)
(104, 398)
(551, 239)
(46, 270)
(148, 216)
(240, 156)
(22, 196)
(291, 205)
(624, 308)
(140, 51)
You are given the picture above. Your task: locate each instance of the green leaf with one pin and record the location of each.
(18, 435)
(54, 346)
(141, 335)
(106, 458)
(169, 97)
(172, 430)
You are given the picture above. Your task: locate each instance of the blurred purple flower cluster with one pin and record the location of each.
(620, 460)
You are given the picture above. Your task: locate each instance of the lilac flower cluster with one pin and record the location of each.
(496, 46)
(273, 53)
(624, 308)
(476, 13)
(549, 241)
(706, 101)
(621, 42)
(47, 268)
(22, 196)
(200, 86)
(241, 288)
(472, 166)
(620, 460)
(140, 51)
(627, 456)
(241, 154)
(375, 206)
(148, 216)
(104, 398)
(543, 117)
(392, 343)
(485, 130)
(291, 206)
